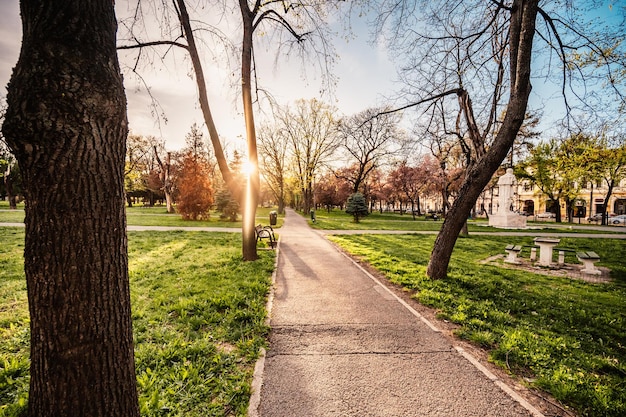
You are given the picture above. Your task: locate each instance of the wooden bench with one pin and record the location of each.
(266, 232)
(512, 251)
(588, 259)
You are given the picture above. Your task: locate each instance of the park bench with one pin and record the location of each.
(431, 216)
(512, 251)
(265, 232)
(589, 259)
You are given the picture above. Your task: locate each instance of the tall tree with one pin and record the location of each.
(301, 23)
(273, 152)
(454, 49)
(311, 131)
(369, 141)
(545, 168)
(604, 158)
(66, 124)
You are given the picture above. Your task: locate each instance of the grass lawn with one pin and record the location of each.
(198, 317)
(566, 337)
(339, 220)
(152, 216)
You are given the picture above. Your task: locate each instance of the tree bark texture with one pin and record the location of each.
(522, 30)
(66, 123)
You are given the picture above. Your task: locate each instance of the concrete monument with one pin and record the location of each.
(505, 217)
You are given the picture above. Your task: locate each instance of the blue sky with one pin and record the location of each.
(363, 71)
(365, 76)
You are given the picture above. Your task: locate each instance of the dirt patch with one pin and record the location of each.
(571, 271)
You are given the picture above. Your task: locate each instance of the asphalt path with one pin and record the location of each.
(342, 344)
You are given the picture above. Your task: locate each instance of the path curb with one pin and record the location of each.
(257, 377)
(469, 357)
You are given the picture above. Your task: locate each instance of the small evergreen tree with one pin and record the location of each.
(357, 206)
(227, 205)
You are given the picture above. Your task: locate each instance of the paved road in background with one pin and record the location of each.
(341, 344)
(598, 234)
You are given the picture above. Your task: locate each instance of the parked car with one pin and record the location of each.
(595, 218)
(621, 219)
(546, 215)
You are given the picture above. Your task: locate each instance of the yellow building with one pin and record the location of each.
(590, 200)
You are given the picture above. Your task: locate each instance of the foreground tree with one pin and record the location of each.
(66, 124)
(521, 31)
(471, 46)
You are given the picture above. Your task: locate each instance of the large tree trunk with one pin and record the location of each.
(523, 17)
(66, 124)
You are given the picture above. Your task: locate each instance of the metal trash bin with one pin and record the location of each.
(273, 218)
(313, 215)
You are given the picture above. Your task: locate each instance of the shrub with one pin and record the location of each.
(227, 205)
(357, 206)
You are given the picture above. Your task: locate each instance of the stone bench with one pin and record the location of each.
(562, 251)
(512, 252)
(589, 259)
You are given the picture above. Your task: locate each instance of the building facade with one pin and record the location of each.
(590, 200)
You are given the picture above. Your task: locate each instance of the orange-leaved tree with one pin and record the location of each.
(195, 190)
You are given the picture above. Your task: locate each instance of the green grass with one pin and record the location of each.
(198, 317)
(566, 337)
(152, 216)
(340, 220)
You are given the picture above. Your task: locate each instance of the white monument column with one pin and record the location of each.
(505, 217)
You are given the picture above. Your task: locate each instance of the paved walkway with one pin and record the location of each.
(343, 345)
